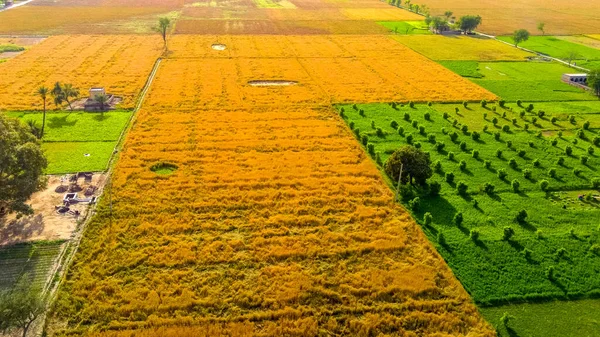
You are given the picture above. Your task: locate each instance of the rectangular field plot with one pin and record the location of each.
(523, 167)
(531, 81)
(70, 157)
(120, 63)
(466, 48)
(32, 259)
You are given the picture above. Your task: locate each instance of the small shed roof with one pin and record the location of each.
(576, 75)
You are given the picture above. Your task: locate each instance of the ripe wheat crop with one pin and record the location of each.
(119, 63)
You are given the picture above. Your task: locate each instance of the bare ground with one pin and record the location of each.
(46, 223)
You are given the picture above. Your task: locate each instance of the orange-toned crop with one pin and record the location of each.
(275, 222)
(120, 63)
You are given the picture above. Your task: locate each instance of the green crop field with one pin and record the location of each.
(33, 259)
(560, 233)
(583, 55)
(535, 81)
(406, 27)
(78, 141)
(558, 318)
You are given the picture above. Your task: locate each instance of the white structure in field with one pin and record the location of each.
(580, 79)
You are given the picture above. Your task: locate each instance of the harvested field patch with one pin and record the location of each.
(562, 17)
(327, 14)
(280, 221)
(75, 20)
(438, 47)
(119, 63)
(583, 40)
(381, 14)
(253, 27)
(110, 3)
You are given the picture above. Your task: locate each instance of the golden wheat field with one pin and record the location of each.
(562, 17)
(377, 70)
(274, 223)
(119, 63)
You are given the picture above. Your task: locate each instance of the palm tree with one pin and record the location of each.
(102, 99)
(43, 92)
(69, 92)
(57, 93)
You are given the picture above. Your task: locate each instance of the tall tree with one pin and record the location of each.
(439, 24)
(57, 93)
(69, 92)
(468, 23)
(541, 26)
(21, 165)
(593, 81)
(20, 307)
(571, 56)
(448, 14)
(163, 28)
(416, 165)
(102, 99)
(520, 35)
(43, 93)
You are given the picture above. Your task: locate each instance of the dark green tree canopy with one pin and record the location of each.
(468, 23)
(20, 306)
(416, 165)
(593, 81)
(21, 165)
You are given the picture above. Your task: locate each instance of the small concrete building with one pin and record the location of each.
(580, 79)
(94, 92)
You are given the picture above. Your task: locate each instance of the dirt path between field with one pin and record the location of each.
(16, 5)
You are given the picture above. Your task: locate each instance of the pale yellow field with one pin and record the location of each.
(588, 40)
(120, 63)
(460, 48)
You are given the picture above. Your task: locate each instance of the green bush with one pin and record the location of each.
(354, 107)
(494, 120)
(462, 165)
(503, 114)
(497, 135)
(583, 160)
(512, 162)
(529, 108)
(586, 125)
(414, 204)
(437, 165)
(456, 110)
(560, 161)
(506, 128)
(427, 116)
(580, 134)
(372, 124)
(577, 171)
(541, 113)
(462, 187)
(590, 150)
(371, 148)
(411, 104)
(502, 103)
(458, 219)
(407, 116)
(454, 136)
(422, 130)
(521, 153)
(502, 174)
(357, 133)
(401, 131)
(415, 124)
(417, 145)
(434, 188)
(475, 154)
(509, 143)
(365, 140)
(451, 155)
(485, 128)
(596, 141)
(464, 129)
(527, 173)
(499, 153)
(409, 138)
(379, 132)
(522, 114)
(531, 144)
(465, 104)
(439, 146)
(595, 249)
(544, 185)
(394, 125)
(554, 142)
(487, 164)
(441, 238)
(351, 125)
(427, 219)
(483, 103)
(553, 120)
(361, 112)
(514, 121)
(508, 233)
(474, 234)
(488, 188)
(533, 120)
(515, 185)
(463, 146)
(596, 182)
(449, 177)
(475, 135)
(342, 113)
(378, 159)
(521, 216)
(536, 163)
(550, 274)
(485, 115)
(431, 138)
(445, 115)
(552, 172)
(568, 150)
(527, 253)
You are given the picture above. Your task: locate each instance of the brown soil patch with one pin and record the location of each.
(46, 223)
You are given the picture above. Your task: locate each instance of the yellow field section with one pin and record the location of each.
(276, 223)
(589, 40)
(594, 36)
(338, 69)
(78, 20)
(119, 63)
(381, 14)
(562, 17)
(438, 47)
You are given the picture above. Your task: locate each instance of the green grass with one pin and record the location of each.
(33, 259)
(68, 136)
(491, 269)
(535, 81)
(69, 157)
(573, 318)
(406, 27)
(10, 48)
(463, 68)
(78, 126)
(587, 57)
